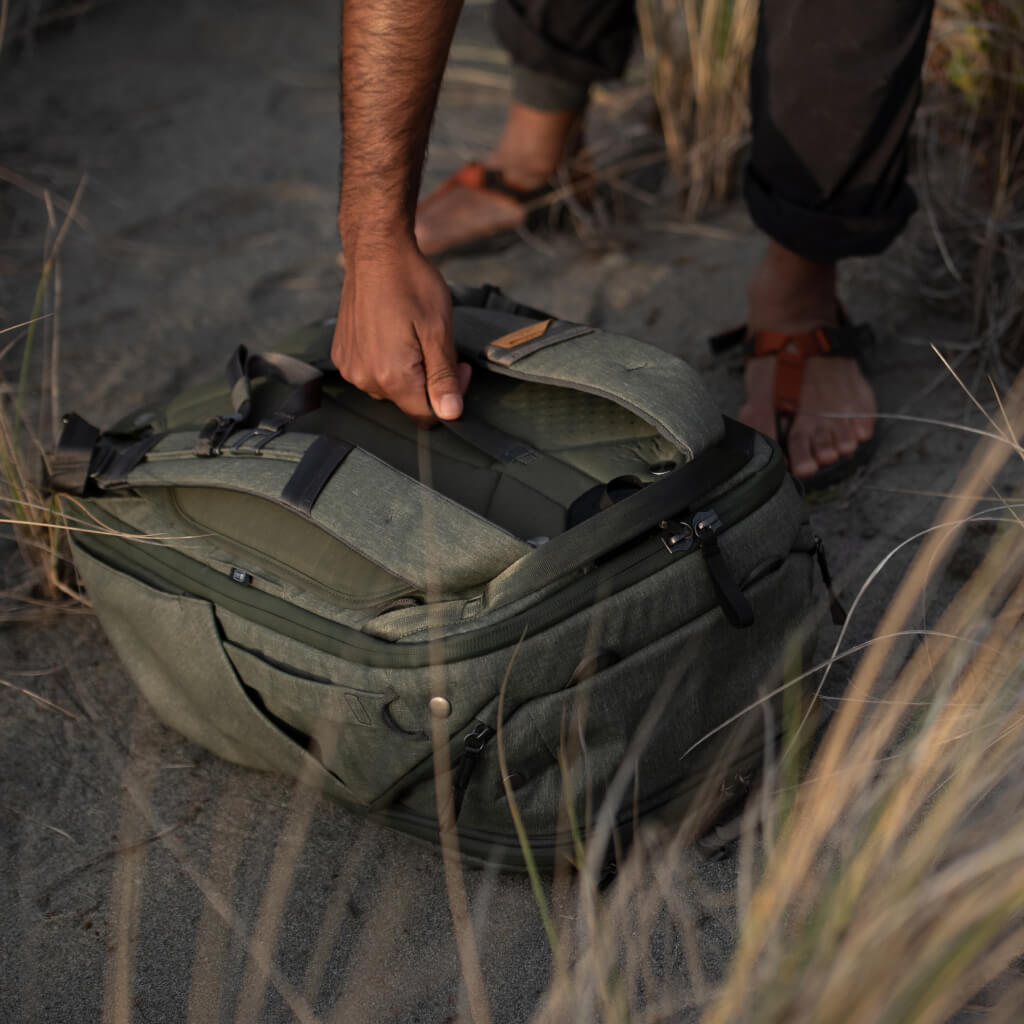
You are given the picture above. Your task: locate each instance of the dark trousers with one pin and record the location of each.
(833, 89)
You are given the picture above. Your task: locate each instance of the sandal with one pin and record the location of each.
(525, 206)
(848, 340)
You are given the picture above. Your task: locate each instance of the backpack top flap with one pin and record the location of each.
(657, 387)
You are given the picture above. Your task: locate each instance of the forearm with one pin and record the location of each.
(392, 59)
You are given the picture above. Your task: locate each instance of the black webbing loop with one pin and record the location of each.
(487, 296)
(84, 454)
(641, 511)
(242, 369)
(490, 440)
(71, 462)
(315, 468)
(503, 447)
(116, 473)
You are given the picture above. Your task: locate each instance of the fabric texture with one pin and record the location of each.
(543, 91)
(833, 90)
(581, 42)
(317, 642)
(834, 87)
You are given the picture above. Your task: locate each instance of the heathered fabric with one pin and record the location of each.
(386, 566)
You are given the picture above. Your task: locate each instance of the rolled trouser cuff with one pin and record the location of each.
(826, 236)
(543, 91)
(586, 40)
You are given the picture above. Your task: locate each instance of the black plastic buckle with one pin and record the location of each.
(215, 432)
(266, 430)
(266, 436)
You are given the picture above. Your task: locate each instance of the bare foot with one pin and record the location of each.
(533, 145)
(837, 405)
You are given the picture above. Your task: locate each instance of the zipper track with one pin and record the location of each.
(505, 849)
(164, 568)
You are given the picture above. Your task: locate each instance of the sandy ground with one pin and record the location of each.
(139, 872)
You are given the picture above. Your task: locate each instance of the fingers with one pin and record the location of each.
(406, 387)
(443, 376)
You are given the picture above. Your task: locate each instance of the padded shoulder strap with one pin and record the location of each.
(657, 387)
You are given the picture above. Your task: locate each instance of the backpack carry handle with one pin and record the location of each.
(307, 380)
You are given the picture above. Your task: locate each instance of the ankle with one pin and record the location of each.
(790, 293)
(534, 144)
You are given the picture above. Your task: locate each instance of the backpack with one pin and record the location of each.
(591, 577)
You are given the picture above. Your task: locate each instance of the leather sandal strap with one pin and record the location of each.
(475, 175)
(793, 350)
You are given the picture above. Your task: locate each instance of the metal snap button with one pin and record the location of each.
(440, 707)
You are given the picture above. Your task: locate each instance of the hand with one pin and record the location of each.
(393, 338)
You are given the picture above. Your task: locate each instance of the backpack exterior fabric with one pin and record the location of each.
(301, 581)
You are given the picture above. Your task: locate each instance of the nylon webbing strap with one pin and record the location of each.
(315, 468)
(242, 369)
(70, 463)
(487, 296)
(304, 378)
(500, 446)
(642, 511)
(116, 473)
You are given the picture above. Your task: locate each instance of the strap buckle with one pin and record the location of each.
(265, 431)
(215, 432)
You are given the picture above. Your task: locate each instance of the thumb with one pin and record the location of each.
(444, 383)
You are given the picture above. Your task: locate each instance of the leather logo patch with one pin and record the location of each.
(523, 335)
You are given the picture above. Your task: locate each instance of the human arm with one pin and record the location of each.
(393, 335)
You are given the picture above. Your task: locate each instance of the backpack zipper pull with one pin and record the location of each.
(676, 535)
(472, 748)
(706, 527)
(834, 604)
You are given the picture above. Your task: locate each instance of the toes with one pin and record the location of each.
(844, 432)
(824, 446)
(802, 462)
(864, 428)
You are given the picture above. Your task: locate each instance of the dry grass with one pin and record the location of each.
(971, 174)
(888, 884)
(39, 577)
(698, 58)
(969, 140)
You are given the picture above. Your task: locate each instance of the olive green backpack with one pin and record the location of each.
(592, 566)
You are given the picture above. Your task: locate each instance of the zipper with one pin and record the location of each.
(703, 530)
(473, 744)
(170, 570)
(676, 535)
(706, 527)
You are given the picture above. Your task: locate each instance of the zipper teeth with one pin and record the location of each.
(482, 640)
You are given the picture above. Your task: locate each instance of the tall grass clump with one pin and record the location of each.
(885, 884)
(970, 175)
(38, 574)
(698, 60)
